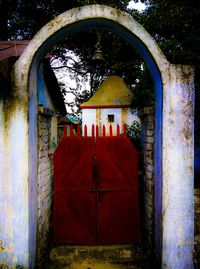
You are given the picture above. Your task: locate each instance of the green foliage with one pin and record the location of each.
(175, 25)
(19, 266)
(21, 19)
(120, 59)
(134, 133)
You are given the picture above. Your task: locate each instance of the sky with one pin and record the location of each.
(139, 6)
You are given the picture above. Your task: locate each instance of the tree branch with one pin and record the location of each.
(71, 68)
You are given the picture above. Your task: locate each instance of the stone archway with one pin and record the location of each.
(174, 136)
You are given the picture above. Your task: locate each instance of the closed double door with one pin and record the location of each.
(95, 191)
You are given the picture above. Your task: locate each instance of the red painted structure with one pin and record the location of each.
(95, 190)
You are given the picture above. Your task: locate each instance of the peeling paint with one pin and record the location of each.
(178, 142)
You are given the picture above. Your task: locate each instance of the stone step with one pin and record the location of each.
(95, 265)
(99, 257)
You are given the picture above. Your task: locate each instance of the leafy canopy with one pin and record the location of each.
(175, 25)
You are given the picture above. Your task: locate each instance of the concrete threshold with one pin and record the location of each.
(99, 257)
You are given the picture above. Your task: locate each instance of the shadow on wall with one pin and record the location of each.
(197, 167)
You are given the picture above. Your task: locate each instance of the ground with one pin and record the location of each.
(100, 257)
(124, 257)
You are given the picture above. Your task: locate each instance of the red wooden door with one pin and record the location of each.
(118, 191)
(95, 191)
(74, 220)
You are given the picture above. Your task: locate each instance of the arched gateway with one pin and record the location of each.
(174, 94)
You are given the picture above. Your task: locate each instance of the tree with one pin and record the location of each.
(120, 59)
(27, 17)
(21, 19)
(174, 25)
(176, 28)
(7, 8)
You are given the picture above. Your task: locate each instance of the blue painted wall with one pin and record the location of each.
(43, 94)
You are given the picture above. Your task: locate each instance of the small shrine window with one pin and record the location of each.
(111, 118)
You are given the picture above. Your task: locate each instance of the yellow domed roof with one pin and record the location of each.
(113, 92)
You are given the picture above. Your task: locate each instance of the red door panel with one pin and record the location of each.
(74, 220)
(118, 191)
(118, 221)
(73, 163)
(117, 163)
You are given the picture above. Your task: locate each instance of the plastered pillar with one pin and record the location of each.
(14, 180)
(178, 159)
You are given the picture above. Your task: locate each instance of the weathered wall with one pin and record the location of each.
(148, 123)
(47, 139)
(16, 195)
(13, 179)
(45, 183)
(178, 168)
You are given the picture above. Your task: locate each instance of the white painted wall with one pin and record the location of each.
(117, 112)
(99, 116)
(88, 118)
